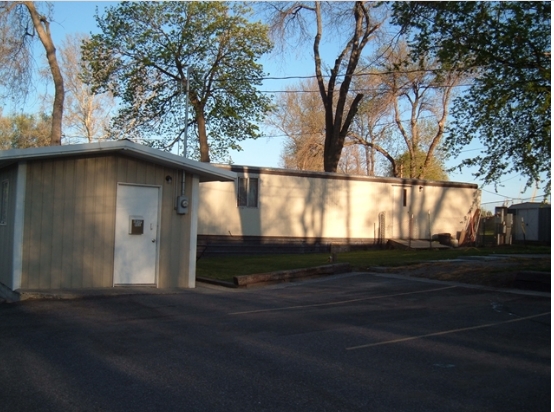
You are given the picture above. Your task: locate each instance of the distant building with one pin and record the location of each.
(532, 222)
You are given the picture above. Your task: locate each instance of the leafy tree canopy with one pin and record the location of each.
(21, 21)
(408, 162)
(24, 130)
(142, 57)
(506, 46)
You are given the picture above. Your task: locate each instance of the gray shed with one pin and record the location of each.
(99, 215)
(532, 222)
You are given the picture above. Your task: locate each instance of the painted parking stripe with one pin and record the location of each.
(446, 332)
(339, 302)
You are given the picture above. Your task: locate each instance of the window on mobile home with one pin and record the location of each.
(247, 195)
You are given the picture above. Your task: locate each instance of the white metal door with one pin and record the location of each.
(136, 235)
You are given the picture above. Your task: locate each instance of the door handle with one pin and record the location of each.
(153, 240)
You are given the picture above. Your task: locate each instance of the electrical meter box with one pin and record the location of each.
(136, 225)
(182, 205)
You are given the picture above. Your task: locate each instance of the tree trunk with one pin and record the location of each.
(198, 106)
(339, 118)
(42, 26)
(202, 135)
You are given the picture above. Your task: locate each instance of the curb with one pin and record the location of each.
(290, 275)
(22, 295)
(216, 282)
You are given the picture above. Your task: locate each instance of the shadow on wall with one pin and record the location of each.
(305, 207)
(221, 215)
(312, 218)
(374, 206)
(421, 212)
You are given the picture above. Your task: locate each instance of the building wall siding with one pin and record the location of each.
(536, 222)
(173, 261)
(70, 220)
(545, 225)
(319, 207)
(7, 231)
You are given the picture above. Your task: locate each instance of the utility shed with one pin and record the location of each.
(532, 222)
(99, 215)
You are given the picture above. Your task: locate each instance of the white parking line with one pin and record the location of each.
(488, 325)
(339, 302)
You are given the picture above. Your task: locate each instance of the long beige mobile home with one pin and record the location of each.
(99, 215)
(312, 207)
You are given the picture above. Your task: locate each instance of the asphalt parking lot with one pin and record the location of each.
(356, 342)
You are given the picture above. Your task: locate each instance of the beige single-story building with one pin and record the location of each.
(100, 215)
(277, 206)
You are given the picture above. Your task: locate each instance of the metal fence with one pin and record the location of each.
(486, 233)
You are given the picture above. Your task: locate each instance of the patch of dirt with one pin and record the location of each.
(516, 272)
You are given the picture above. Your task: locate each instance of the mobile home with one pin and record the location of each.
(276, 206)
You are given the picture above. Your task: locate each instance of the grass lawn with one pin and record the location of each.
(224, 268)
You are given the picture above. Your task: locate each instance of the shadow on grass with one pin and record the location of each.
(224, 268)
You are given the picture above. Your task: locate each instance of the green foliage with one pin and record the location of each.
(24, 130)
(142, 56)
(506, 46)
(435, 170)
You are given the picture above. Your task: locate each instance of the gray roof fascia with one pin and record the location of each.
(341, 176)
(206, 172)
(530, 205)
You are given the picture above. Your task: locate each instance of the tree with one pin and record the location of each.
(434, 170)
(372, 128)
(19, 22)
(404, 110)
(506, 45)
(339, 108)
(86, 115)
(297, 114)
(396, 92)
(24, 130)
(354, 160)
(420, 91)
(15, 53)
(143, 56)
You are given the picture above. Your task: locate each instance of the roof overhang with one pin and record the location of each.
(309, 174)
(206, 172)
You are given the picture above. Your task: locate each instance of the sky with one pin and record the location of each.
(78, 17)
